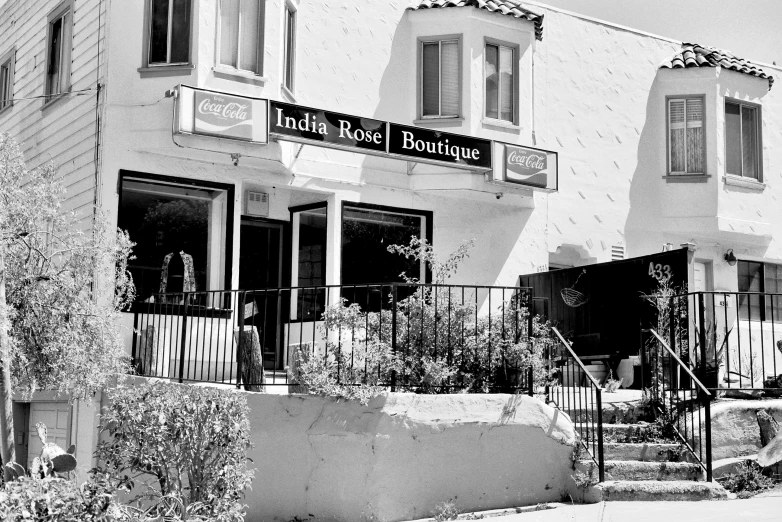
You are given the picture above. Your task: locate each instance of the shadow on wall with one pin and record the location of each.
(644, 223)
(497, 226)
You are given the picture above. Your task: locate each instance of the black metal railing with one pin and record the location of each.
(680, 400)
(424, 337)
(731, 340)
(578, 394)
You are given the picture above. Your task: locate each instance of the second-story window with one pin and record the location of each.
(499, 82)
(241, 33)
(290, 47)
(742, 140)
(6, 80)
(169, 32)
(58, 53)
(685, 136)
(440, 79)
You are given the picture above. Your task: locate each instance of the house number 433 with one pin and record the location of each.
(660, 272)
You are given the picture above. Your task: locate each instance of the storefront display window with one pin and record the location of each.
(309, 261)
(179, 232)
(366, 234)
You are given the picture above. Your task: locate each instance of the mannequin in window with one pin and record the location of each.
(177, 275)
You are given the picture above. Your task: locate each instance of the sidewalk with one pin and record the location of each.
(757, 509)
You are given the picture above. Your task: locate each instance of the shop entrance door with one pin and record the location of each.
(260, 268)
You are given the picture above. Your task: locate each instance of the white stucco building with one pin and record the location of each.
(647, 141)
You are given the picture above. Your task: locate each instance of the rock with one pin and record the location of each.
(769, 427)
(771, 453)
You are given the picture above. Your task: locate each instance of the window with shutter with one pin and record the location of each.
(7, 79)
(685, 136)
(499, 71)
(440, 89)
(742, 140)
(240, 34)
(58, 56)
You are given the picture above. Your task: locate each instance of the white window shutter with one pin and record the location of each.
(676, 139)
(450, 79)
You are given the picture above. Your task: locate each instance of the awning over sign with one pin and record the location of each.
(232, 117)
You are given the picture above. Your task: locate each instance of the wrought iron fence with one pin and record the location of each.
(578, 394)
(680, 400)
(732, 341)
(424, 337)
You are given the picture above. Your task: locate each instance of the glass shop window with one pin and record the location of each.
(309, 266)
(366, 235)
(179, 233)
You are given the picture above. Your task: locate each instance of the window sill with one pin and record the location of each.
(748, 183)
(444, 122)
(502, 124)
(237, 75)
(6, 108)
(166, 70)
(287, 93)
(686, 178)
(55, 99)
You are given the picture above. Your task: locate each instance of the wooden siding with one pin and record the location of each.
(63, 132)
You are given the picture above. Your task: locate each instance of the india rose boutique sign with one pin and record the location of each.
(331, 129)
(222, 115)
(439, 147)
(526, 166)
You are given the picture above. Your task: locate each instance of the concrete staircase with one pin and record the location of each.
(643, 470)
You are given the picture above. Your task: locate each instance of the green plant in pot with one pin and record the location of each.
(708, 369)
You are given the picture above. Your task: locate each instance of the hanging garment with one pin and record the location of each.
(188, 281)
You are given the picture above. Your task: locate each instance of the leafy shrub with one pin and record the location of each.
(747, 481)
(180, 449)
(55, 500)
(441, 343)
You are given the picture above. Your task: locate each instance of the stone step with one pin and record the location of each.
(646, 452)
(624, 431)
(612, 413)
(636, 470)
(655, 490)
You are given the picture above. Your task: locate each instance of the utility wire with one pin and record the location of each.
(82, 92)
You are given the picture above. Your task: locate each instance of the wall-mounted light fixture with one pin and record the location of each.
(730, 257)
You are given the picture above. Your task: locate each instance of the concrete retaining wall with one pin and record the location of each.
(395, 459)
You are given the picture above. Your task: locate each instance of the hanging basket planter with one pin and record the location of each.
(573, 297)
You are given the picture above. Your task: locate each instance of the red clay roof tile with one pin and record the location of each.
(694, 55)
(506, 7)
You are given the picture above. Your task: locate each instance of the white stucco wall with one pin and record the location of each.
(401, 455)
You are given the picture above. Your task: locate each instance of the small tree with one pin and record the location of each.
(57, 331)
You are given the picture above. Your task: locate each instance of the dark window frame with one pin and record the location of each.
(428, 228)
(758, 129)
(59, 14)
(147, 39)
(773, 302)
(173, 180)
(8, 61)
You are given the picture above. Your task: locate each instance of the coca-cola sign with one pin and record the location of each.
(222, 115)
(526, 166)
